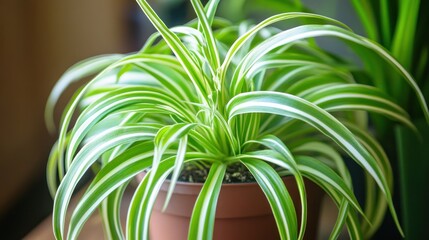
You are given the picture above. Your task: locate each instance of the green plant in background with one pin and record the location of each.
(214, 94)
(400, 26)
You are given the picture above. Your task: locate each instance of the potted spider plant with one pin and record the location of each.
(214, 100)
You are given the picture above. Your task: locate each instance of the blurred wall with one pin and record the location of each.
(39, 39)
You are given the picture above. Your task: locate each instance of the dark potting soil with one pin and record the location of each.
(235, 173)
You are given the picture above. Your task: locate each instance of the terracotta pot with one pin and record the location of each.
(242, 212)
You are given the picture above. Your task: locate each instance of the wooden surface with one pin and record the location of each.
(93, 228)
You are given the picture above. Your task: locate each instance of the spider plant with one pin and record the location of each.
(212, 93)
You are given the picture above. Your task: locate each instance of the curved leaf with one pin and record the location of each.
(359, 97)
(241, 41)
(117, 100)
(69, 110)
(203, 216)
(202, 86)
(204, 25)
(292, 106)
(277, 145)
(165, 137)
(277, 195)
(309, 31)
(110, 212)
(143, 200)
(85, 158)
(78, 71)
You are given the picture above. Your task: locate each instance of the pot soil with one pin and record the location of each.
(242, 212)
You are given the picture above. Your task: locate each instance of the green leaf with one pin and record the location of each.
(301, 80)
(277, 195)
(171, 80)
(204, 25)
(203, 216)
(337, 189)
(386, 25)
(143, 200)
(292, 106)
(202, 86)
(52, 168)
(115, 174)
(375, 203)
(359, 97)
(210, 9)
(299, 64)
(405, 32)
(325, 150)
(117, 100)
(180, 157)
(167, 136)
(241, 41)
(341, 220)
(110, 211)
(278, 146)
(78, 71)
(366, 15)
(69, 110)
(85, 158)
(320, 173)
(309, 31)
(144, 197)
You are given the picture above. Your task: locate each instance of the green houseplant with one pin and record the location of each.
(213, 94)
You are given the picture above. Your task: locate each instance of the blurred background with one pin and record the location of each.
(39, 40)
